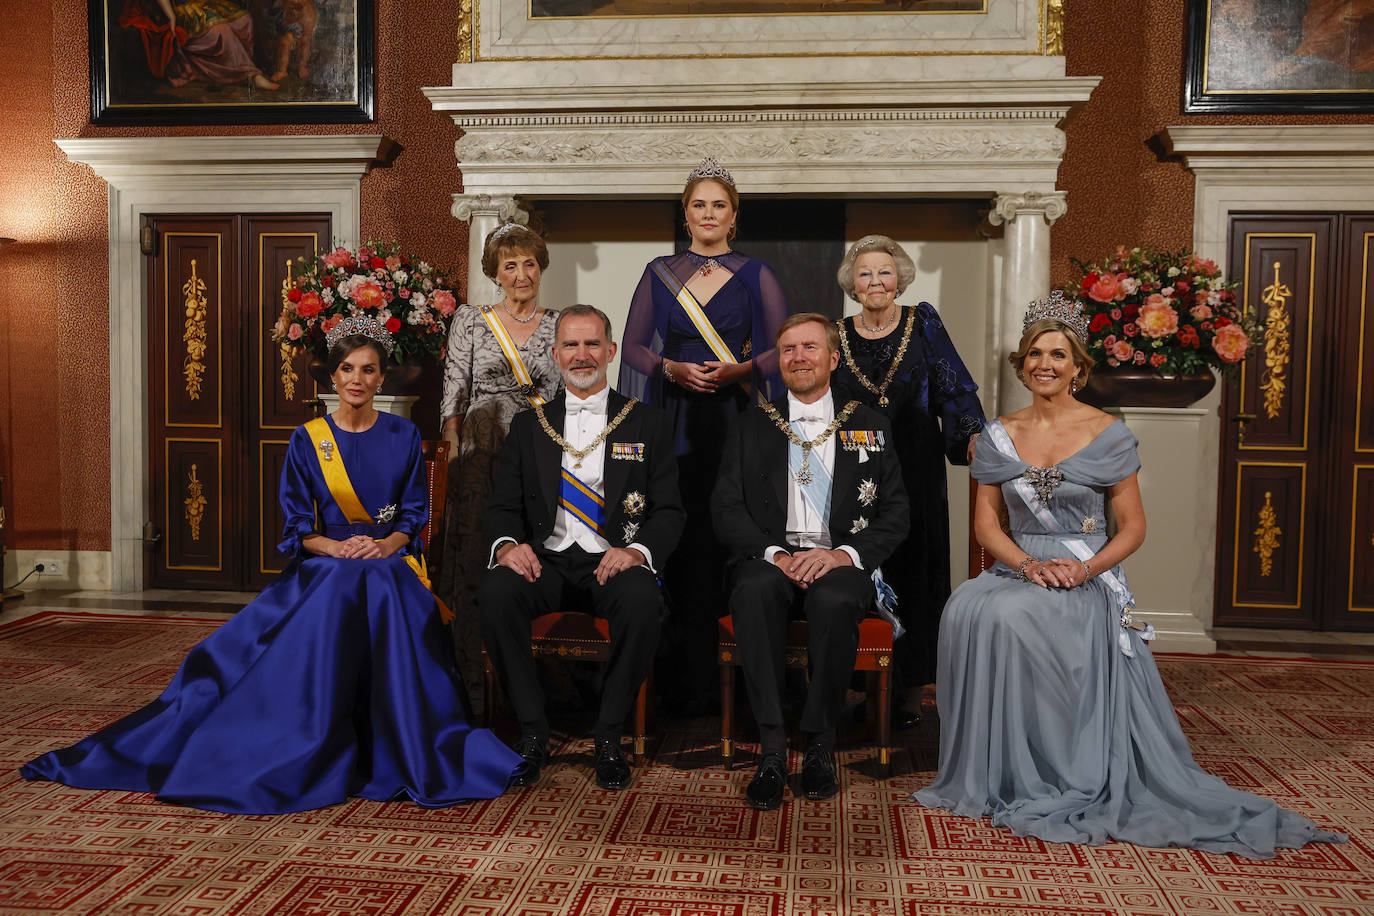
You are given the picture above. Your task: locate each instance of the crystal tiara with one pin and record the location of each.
(1065, 311)
(502, 230)
(363, 325)
(710, 168)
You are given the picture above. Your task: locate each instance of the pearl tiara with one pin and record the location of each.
(710, 168)
(361, 325)
(1065, 311)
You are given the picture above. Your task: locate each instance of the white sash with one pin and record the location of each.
(517, 365)
(1114, 579)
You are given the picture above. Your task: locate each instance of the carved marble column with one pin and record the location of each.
(1025, 276)
(483, 213)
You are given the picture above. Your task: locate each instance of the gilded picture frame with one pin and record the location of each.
(1279, 57)
(232, 62)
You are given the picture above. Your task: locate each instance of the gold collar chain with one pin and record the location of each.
(580, 453)
(879, 390)
(804, 472)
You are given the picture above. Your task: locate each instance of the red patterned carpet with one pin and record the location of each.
(679, 842)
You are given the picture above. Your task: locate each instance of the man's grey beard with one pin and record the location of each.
(569, 380)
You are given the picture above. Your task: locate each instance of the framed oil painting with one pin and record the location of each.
(232, 61)
(554, 9)
(1279, 56)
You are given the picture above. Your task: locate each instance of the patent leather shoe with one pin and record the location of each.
(612, 772)
(534, 754)
(770, 779)
(818, 777)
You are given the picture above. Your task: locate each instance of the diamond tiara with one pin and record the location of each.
(710, 168)
(364, 325)
(502, 230)
(1065, 311)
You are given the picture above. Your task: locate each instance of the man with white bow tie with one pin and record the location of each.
(585, 506)
(809, 502)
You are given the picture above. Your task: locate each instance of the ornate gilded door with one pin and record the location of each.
(1297, 475)
(222, 400)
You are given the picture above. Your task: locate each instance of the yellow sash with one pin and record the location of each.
(694, 311)
(517, 365)
(341, 488)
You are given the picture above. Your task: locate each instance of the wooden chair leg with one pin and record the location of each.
(727, 713)
(641, 739)
(885, 721)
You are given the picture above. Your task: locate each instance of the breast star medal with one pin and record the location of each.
(634, 503)
(631, 529)
(386, 513)
(860, 524)
(868, 493)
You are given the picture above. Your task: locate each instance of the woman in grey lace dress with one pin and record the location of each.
(483, 388)
(1053, 718)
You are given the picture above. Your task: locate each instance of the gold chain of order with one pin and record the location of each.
(804, 473)
(580, 453)
(879, 390)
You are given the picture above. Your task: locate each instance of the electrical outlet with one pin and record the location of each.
(50, 567)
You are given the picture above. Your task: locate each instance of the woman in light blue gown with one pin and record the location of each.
(339, 679)
(1053, 718)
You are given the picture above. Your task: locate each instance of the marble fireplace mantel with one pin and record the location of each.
(880, 127)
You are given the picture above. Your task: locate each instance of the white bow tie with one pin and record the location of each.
(576, 407)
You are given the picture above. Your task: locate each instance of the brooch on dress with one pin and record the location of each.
(386, 513)
(1044, 481)
(860, 524)
(327, 447)
(868, 493)
(631, 529)
(1089, 524)
(634, 502)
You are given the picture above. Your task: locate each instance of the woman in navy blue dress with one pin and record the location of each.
(698, 344)
(339, 679)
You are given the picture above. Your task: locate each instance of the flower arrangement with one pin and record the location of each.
(1170, 311)
(407, 296)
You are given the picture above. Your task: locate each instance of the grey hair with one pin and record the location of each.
(588, 311)
(906, 268)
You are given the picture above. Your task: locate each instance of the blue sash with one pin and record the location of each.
(582, 502)
(817, 492)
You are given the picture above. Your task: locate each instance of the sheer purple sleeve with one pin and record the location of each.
(953, 392)
(641, 353)
(770, 313)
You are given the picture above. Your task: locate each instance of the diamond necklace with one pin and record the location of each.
(514, 317)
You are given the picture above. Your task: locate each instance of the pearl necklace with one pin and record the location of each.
(528, 318)
(882, 327)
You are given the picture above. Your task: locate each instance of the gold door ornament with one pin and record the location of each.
(288, 371)
(465, 31)
(1054, 27)
(1277, 344)
(195, 503)
(195, 334)
(1267, 535)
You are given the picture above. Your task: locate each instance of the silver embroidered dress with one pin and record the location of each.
(1047, 724)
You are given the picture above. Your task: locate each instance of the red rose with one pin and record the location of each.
(1157, 359)
(293, 294)
(1098, 323)
(393, 325)
(1222, 321)
(1187, 336)
(327, 280)
(1129, 330)
(1131, 309)
(1088, 282)
(376, 263)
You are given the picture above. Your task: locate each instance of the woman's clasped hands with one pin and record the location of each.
(362, 547)
(1059, 572)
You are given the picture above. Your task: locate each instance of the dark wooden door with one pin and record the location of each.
(1297, 474)
(223, 397)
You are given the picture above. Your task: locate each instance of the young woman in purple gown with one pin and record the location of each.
(339, 679)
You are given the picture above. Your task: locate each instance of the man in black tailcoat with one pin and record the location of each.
(585, 501)
(809, 502)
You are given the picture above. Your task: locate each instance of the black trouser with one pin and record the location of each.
(630, 601)
(762, 601)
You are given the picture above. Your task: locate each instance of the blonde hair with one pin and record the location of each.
(730, 194)
(832, 333)
(1081, 360)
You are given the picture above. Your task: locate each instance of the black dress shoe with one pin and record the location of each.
(612, 772)
(765, 789)
(534, 754)
(903, 719)
(818, 779)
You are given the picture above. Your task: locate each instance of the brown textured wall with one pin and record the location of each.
(1119, 192)
(55, 321)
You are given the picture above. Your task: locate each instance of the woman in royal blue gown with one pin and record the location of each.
(698, 344)
(1054, 721)
(339, 679)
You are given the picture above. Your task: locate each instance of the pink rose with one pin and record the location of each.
(1231, 343)
(279, 329)
(295, 332)
(1129, 285)
(365, 254)
(368, 294)
(1108, 342)
(393, 262)
(339, 257)
(1106, 289)
(1200, 312)
(1116, 314)
(1157, 319)
(1139, 357)
(403, 292)
(1205, 266)
(1122, 350)
(443, 301)
(1129, 329)
(1111, 361)
(1157, 359)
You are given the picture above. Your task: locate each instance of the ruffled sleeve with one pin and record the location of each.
(296, 493)
(953, 392)
(992, 464)
(1108, 459)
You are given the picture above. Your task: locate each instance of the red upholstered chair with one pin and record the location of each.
(435, 454)
(579, 637)
(874, 658)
